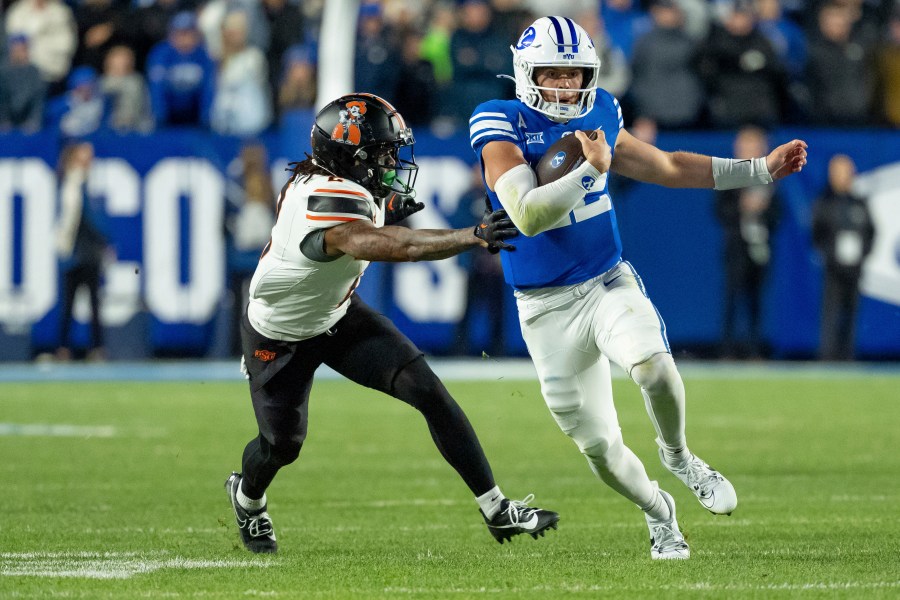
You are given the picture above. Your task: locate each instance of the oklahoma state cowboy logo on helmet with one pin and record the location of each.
(347, 129)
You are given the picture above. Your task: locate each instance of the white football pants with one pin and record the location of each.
(572, 333)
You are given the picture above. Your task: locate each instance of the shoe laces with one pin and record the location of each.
(701, 476)
(666, 537)
(519, 509)
(260, 525)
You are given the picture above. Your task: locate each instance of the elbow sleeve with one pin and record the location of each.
(536, 209)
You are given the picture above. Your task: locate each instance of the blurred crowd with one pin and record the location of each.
(235, 66)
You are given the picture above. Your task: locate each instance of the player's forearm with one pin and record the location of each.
(399, 244)
(534, 209)
(675, 170)
(688, 170)
(435, 244)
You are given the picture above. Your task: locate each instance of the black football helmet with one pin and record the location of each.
(360, 137)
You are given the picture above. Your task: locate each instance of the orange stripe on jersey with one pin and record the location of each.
(327, 191)
(315, 218)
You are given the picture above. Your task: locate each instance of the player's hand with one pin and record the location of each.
(495, 227)
(786, 159)
(596, 151)
(397, 207)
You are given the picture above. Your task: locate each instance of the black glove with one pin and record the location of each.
(397, 207)
(495, 227)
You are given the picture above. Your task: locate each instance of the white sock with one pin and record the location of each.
(490, 501)
(658, 509)
(248, 503)
(675, 457)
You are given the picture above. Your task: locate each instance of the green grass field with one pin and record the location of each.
(115, 490)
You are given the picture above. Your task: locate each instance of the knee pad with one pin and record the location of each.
(563, 398)
(657, 372)
(604, 452)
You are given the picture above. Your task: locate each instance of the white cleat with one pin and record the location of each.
(714, 492)
(666, 541)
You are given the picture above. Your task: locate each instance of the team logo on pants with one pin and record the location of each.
(347, 129)
(264, 355)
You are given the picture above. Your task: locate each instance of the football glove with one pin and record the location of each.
(495, 227)
(397, 207)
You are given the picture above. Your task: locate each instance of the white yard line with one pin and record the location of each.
(106, 565)
(57, 430)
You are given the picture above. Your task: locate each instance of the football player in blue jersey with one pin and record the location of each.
(580, 305)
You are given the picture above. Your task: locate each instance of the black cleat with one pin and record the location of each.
(255, 527)
(515, 517)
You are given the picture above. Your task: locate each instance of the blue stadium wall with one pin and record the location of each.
(165, 294)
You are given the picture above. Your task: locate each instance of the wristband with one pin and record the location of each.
(729, 173)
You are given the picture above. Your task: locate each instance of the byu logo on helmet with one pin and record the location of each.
(558, 159)
(527, 38)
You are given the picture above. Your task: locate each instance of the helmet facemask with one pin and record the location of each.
(555, 42)
(388, 168)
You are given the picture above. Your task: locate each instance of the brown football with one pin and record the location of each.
(560, 158)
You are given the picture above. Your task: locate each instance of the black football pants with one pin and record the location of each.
(366, 348)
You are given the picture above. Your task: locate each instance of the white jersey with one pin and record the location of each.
(297, 291)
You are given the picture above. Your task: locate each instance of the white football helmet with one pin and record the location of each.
(555, 42)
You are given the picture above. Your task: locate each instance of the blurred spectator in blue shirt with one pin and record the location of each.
(22, 90)
(786, 36)
(146, 25)
(242, 105)
(377, 55)
(83, 109)
(625, 22)
(479, 54)
(127, 92)
(664, 67)
(181, 75)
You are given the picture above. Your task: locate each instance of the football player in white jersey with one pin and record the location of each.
(581, 306)
(330, 223)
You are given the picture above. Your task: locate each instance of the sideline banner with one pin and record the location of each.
(166, 292)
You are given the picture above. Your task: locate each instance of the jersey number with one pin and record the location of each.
(591, 205)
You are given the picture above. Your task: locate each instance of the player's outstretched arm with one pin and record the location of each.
(362, 240)
(645, 162)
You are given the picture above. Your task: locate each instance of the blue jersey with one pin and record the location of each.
(586, 245)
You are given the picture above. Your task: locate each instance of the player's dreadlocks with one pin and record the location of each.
(306, 168)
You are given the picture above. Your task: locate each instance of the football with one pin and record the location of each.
(560, 158)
